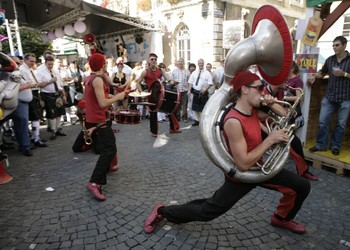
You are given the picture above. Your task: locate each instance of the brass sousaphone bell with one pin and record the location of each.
(270, 48)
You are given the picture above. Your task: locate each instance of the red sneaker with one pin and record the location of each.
(309, 176)
(290, 225)
(113, 168)
(95, 190)
(153, 220)
(173, 131)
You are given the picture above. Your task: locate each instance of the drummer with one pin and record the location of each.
(152, 77)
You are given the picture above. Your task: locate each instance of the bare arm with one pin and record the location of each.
(238, 145)
(138, 83)
(100, 94)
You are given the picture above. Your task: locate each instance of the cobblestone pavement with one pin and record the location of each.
(170, 169)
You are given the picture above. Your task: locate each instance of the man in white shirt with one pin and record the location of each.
(21, 114)
(35, 111)
(199, 83)
(50, 94)
(180, 77)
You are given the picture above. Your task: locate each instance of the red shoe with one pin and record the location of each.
(153, 220)
(309, 176)
(113, 168)
(95, 190)
(173, 131)
(290, 225)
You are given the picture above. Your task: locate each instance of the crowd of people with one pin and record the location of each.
(52, 91)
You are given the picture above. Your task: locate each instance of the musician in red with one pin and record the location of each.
(240, 127)
(153, 78)
(98, 102)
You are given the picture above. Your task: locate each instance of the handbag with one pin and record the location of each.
(59, 102)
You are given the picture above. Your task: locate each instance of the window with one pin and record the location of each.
(184, 44)
(346, 26)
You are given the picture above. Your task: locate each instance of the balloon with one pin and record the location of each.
(44, 38)
(59, 33)
(51, 36)
(69, 30)
(79, 27)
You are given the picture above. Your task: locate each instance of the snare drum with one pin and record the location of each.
(167, 101)
(127, 116)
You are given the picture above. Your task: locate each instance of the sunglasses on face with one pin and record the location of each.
(153, 59)
(260, 87)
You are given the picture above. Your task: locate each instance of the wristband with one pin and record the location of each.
(346, 75)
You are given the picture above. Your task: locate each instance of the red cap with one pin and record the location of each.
(241, 79)
(97, 61)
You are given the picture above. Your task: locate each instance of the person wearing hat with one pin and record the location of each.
(96, 107)
(152, 76)
(245, 144)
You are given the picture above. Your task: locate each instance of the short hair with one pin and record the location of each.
(192, 65)
(49, 59)
(341, 39)
(26, 56)
(153, 54)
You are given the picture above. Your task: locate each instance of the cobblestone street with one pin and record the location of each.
(170, 169)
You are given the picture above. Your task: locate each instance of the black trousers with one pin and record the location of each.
(153, 122)
(108, 151)
(231, 192)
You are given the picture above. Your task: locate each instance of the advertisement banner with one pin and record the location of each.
(307, 62)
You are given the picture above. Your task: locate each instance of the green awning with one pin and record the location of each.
(312, 3)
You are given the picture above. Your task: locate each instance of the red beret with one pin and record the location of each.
(241, 79)
(97, 61)
(81, 104)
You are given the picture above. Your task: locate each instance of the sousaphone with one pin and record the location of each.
(270, 48)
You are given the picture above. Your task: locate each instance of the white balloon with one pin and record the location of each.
(69, 30)
(79, 27)
(59, 33)
(51, 36)
(44, 38)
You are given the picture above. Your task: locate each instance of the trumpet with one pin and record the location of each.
(274, 122)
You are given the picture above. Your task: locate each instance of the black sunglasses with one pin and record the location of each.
(260, 87)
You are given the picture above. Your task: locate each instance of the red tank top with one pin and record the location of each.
(94, 114)
(250, 126)
(152, 76)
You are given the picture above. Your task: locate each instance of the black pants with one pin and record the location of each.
(153, 122)
(80, 145)
(231, 192)
(108, 151)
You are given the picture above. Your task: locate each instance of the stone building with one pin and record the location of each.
(195, 29)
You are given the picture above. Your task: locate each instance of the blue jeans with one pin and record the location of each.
(20, 121)
(327, 110)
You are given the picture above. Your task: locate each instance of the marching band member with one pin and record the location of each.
(151, 75)
(245, 144)
(97, 94)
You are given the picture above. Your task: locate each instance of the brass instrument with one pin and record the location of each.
(275, 122)
(87, 137)
(270, 48)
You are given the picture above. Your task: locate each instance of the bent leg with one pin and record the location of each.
(208, 209)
